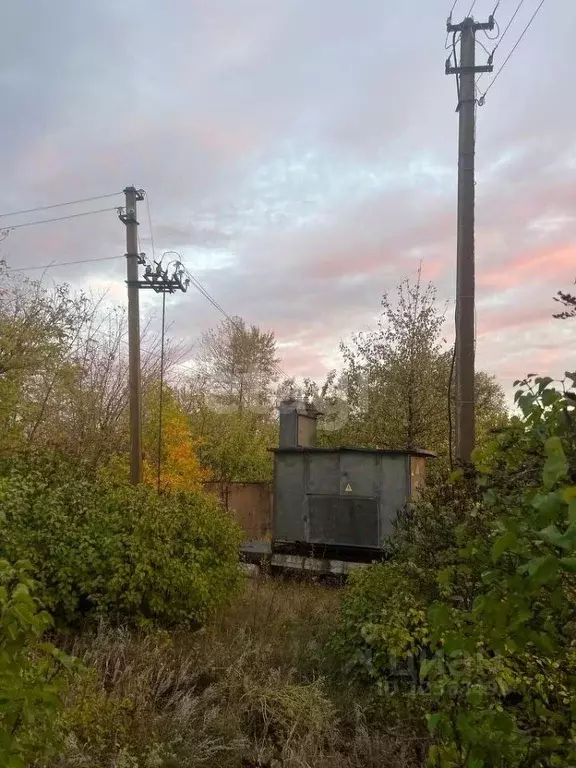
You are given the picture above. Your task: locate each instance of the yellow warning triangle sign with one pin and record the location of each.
(348, 488)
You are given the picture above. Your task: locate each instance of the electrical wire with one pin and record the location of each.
(516, 44)
(63, 264)
(196, 283)
(497, 35)
(506, 28)
(450, 437)
(58, 218)
(207, 295)
(456, 74)
(481, 44)
(60, 205)
(446, 46)
(471, 8)
(199, 287)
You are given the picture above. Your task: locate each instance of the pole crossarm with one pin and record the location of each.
(467, 23)
(468, 70)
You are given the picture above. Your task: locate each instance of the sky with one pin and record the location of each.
(301, 155)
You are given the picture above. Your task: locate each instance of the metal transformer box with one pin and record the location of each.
(341, 499)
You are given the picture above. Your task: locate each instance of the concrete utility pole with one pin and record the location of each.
(130, 219)
(465, 281)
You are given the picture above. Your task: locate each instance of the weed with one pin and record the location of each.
(255, 688)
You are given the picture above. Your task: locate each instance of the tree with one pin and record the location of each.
(236, 447)
(233, 446)
(238, 364)
(64, 371)
(330, 400)
(180, 468)
(395, 373)
(397, 377)
(38, 329)
(491, 413)
(567, 300)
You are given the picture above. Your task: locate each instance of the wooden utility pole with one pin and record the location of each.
(130, 219)
(465, 281)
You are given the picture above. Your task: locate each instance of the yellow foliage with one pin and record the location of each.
(180, 466)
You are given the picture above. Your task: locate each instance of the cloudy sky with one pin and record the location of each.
(301, 155)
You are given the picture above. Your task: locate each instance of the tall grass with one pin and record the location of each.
(255, 688)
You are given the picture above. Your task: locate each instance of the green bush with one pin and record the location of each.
(125, 552)
(496, 649)
(382, 625)
(33, 674)
(503, 675)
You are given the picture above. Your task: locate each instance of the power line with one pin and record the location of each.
(493, 37)
(159, 355)
(230, 319)
(446, 46)
(59, 218)
(456, 75)
(516, 44)
(499, 43)
(481, 44)
(60, 205)
(63, 264)
(199, 287)
(519, 6)
(207, 295)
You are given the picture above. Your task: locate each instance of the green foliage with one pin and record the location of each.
(396, 378)
(121, 551)
(235, 447)
(496, 652)
(239, 364)
(382, 624)
(37, 328)
(33, 673)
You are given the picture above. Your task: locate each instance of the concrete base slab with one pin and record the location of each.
(314, 564)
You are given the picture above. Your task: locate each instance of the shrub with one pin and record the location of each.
(504, 672)
(496, 650)
(382, 624)
(33, 674)
(122, 551)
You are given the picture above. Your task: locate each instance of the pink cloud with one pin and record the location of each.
(511, 317)
(346, 263)
(301, 361)
(433, 268)
(535, 267)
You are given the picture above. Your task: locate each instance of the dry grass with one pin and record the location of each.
(253, 689)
